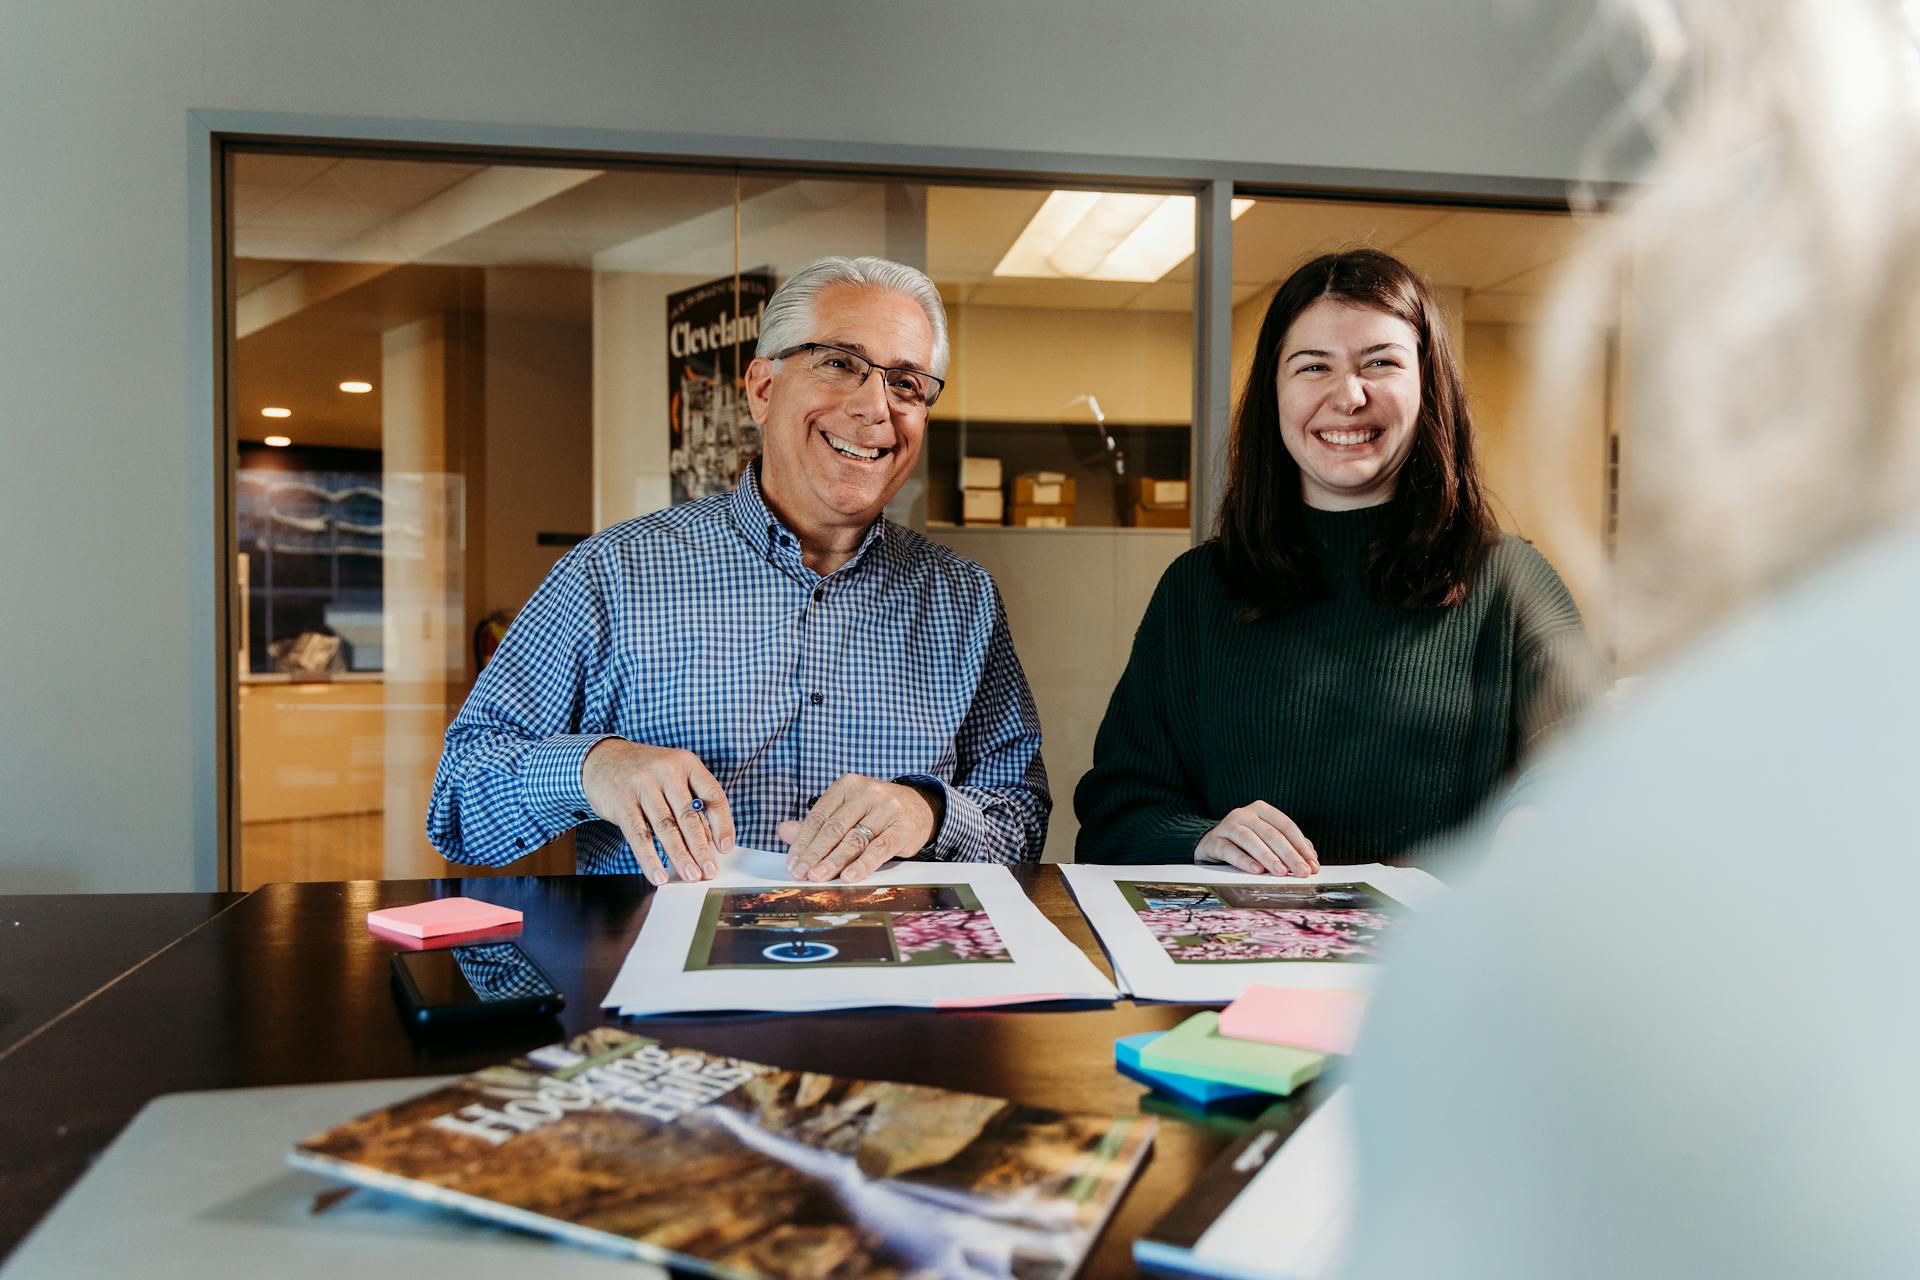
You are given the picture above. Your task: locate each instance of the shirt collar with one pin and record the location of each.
(770, 539)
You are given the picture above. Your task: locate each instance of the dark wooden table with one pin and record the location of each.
(58, 950)
(286, 986)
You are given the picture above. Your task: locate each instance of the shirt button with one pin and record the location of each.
(819, 594)
(816, 699)
(518, 843)
(581, 814)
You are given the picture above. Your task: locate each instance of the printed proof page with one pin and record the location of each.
(1205, 934)
(916, 934)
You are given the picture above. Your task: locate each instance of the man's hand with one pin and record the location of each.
(1258, 837)
(856, 828)
(658, 791)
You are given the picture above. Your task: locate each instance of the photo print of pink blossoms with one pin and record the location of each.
(838, 925)
(1238, 923)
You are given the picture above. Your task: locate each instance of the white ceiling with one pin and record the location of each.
(1500, 262)
(330, 250)
(300, 362)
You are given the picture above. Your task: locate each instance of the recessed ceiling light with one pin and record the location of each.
(279, 442)
(274, 411)
(356, 388)
(1111, 235)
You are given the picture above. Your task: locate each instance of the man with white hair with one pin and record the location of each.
(778, 664)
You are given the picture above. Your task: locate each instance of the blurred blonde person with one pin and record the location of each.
(1670, 1029)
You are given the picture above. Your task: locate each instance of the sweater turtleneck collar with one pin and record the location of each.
(1342, 532)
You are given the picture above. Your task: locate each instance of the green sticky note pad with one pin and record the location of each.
(1196, 1048)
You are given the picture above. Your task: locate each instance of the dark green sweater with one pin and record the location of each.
(1371, 726)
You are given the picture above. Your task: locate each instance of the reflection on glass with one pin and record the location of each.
(500, 971)
(314, 547)
(483, 363)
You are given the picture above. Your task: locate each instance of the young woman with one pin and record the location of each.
(1359, 656)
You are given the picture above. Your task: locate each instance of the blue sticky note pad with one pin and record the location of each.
(1126, 1056)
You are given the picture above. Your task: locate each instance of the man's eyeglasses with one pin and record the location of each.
(907, 388)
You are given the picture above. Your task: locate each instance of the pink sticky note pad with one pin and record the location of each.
(441, 940)
(1325, 1021)
(442, 916)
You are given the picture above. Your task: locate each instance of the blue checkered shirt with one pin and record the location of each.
(700, 628)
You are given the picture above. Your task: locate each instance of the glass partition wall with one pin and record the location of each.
(443, 373)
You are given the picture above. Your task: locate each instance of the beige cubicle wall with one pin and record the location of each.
(1074, 598)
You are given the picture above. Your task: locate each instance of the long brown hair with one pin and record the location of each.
(1439, 526)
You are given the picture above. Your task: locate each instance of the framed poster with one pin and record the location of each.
(712, 330)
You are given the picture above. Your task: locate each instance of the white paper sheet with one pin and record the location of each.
(1043, 964)
(1292, 1219)
(1146, 970)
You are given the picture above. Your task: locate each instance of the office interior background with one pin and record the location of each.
(478, 214)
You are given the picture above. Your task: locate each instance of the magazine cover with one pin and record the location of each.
(730, 1168)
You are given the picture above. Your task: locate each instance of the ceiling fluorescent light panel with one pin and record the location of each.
(1105, 235)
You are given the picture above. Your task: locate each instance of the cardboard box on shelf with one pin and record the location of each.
(1043, 489)
(1028, 515)
(980, 473)
(1149, 492)
(982, 506)
(1140, 517)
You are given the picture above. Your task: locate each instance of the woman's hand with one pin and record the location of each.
(1259, 838)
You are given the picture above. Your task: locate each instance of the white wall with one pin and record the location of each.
(631, 439)
(107, 776)
(1027, 364)
(538, 416)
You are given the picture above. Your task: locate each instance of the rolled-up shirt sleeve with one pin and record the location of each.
(509, 775)
(997, 802)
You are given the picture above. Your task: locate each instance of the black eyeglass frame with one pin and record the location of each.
(939, 383)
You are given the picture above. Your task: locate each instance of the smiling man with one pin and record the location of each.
(777, 666)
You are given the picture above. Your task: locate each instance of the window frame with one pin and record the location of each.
(215, 136)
